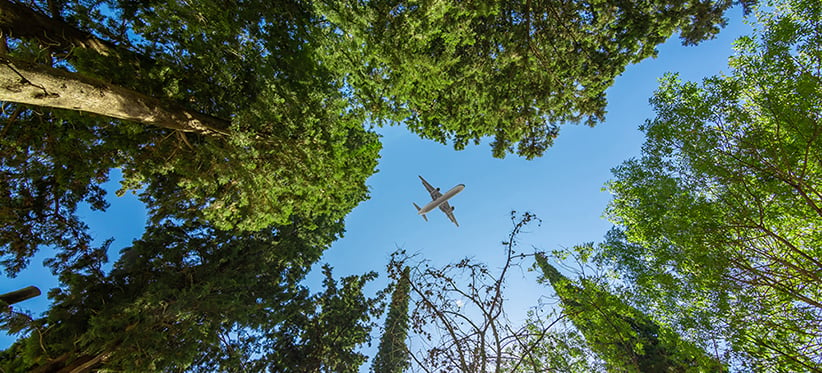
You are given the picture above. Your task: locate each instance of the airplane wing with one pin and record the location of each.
(435, 193)
(448, 210)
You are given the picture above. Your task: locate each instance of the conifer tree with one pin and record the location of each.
(392, 356)
(187, 296)
(623, 336)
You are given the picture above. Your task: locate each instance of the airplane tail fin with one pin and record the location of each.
(418, 209)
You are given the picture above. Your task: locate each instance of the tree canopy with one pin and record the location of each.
(513, 70)
(256, 113)
(245, 128)
(719, 219)
(188, 295)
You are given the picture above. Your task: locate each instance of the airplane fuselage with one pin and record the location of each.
(439, 200)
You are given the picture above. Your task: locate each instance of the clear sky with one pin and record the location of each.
(564, 189)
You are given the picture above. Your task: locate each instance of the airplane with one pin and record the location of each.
(439, 200)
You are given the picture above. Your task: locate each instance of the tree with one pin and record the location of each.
(459, 320)
(718, 221)
(515, 70)
(241, 124)
(275, 137)
(623, 336)
(392, 356)
(261, 106)
(31, 84)
(191, 297)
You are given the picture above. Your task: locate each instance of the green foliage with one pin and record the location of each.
(294, 146)
(554, 347)
(515, 70)
(325, 338)
(236, 220)
(719, 219)
(623, 336)
(189, 295)
(49, 164)
(393, 353)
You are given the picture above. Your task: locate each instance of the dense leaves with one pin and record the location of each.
(513, 70)
(719, 219)
(240, 210)
(188, 295)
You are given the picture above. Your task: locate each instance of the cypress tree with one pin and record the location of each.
(392, 356)
(623, 336)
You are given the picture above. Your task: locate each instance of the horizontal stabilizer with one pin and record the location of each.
(418, 209)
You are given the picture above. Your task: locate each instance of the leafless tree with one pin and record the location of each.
(458, 315)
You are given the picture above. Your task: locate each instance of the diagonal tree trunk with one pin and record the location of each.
(33, 84)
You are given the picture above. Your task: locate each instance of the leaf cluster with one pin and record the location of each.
(512, 70)
(719, 219)
(189, 295)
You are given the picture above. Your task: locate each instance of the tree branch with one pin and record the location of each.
(33, 84)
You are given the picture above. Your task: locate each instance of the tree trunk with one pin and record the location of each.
(33, 84)
(20, 295)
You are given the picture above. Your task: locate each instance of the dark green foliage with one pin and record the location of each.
(49, 164)
(190, 295)
(624, 337)
(293, 148)
(325, 338)
(393, 354)
(512, 70)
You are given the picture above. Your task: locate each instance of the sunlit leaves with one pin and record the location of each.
(720, 216)
(516, 70)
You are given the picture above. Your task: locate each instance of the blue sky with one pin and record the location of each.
(564, 189)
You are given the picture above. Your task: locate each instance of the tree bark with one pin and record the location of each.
(20, 295)
(38, 85)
